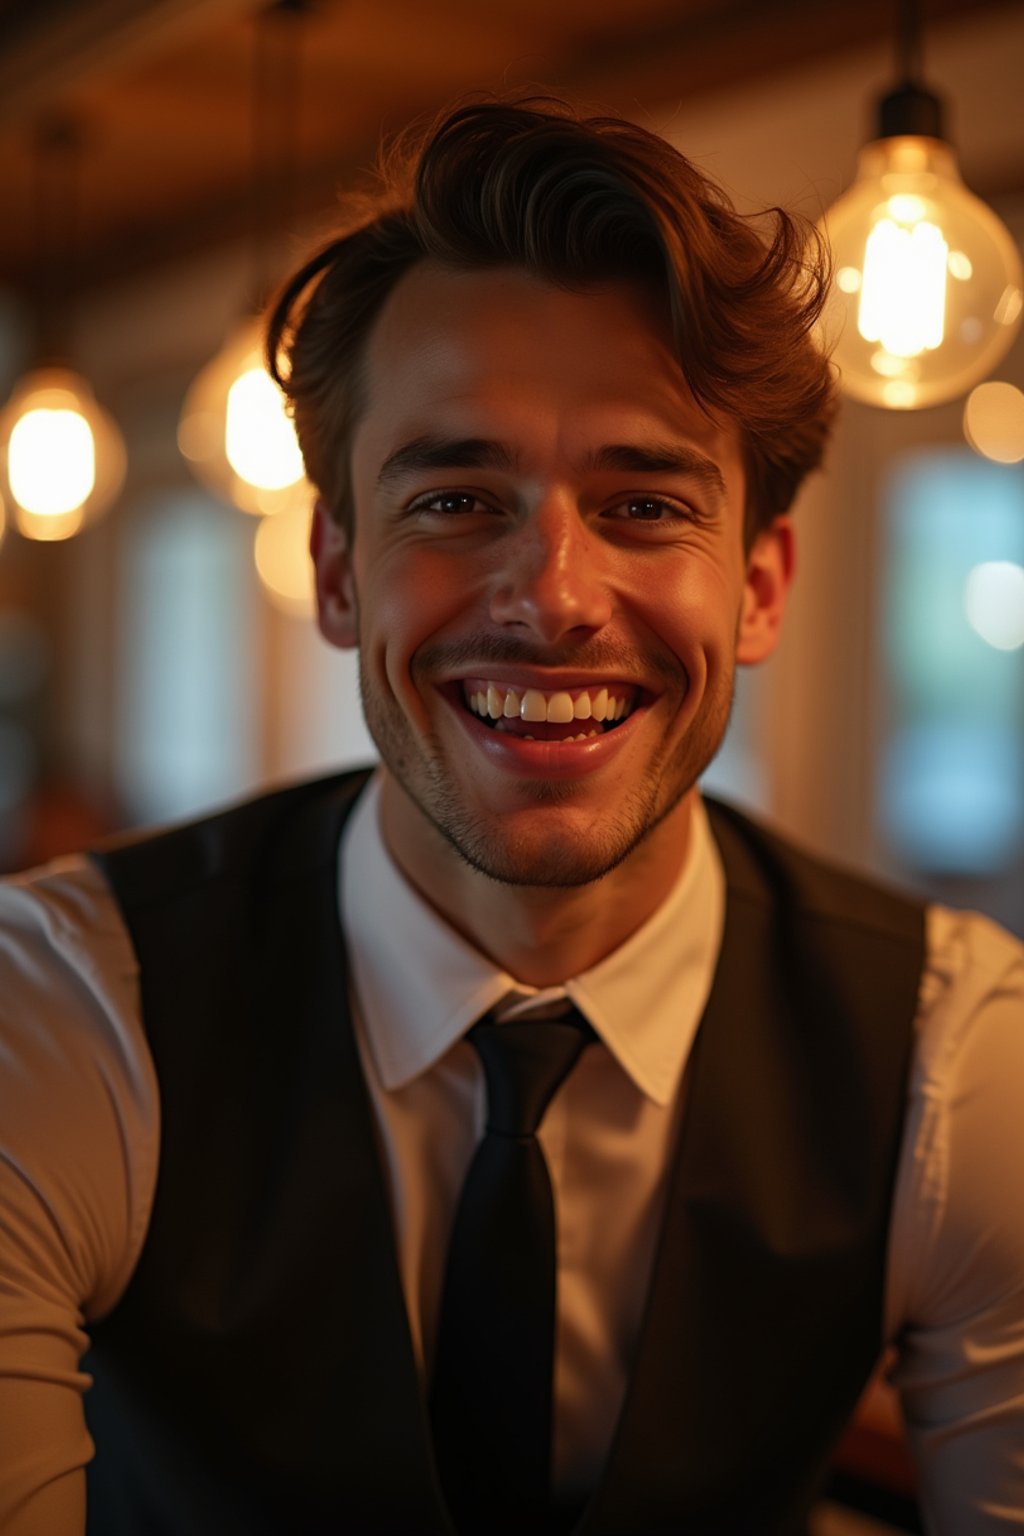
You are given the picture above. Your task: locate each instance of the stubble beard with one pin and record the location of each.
(561, 859)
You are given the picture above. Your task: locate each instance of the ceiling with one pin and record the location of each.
(160, 150)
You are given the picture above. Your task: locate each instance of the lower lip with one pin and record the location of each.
(547, 759)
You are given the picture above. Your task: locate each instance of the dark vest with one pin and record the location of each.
(258, 1379)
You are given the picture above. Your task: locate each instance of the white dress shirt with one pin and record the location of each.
(418, 987)
(76, 1075)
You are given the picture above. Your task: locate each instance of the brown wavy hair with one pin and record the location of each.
(577, 201)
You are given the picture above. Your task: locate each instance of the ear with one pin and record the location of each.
(770, 567)
(335, 588)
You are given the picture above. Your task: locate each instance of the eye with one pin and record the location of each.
(450, 503)
(650, 510)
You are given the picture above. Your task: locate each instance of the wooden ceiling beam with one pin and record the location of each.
(48, 47)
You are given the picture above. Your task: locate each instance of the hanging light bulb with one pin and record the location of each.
(926, 296)
(64, 458)
(236, 433)
(234, 429)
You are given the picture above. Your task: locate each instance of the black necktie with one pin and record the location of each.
(492, 1381)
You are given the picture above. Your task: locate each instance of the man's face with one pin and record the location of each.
(546, 579)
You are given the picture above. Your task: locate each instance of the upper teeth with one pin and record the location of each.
(560, 707)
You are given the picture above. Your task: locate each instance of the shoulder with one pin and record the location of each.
(286, 830)
(78, 1099)
(972, 956)
(957, 1271)
(60, 933)
(971, 1020)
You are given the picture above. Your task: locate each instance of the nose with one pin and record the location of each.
(553, 578)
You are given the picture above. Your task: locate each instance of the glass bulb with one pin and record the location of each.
(64, 457)
(259, 439)
(927, 291)
(51, 460)
(235, 432)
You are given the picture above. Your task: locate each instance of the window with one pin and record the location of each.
(950, 790)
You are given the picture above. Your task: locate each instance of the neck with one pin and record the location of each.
(540, 935)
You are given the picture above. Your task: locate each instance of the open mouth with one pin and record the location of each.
(535, 714)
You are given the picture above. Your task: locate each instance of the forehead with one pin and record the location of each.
(501, 353)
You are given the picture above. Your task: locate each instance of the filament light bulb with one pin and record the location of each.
(51, 461)
(64, 456)
(259, 439)
(236, 433)
(926, 297)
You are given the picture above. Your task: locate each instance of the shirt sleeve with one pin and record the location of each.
(956, 1283)
(78, 1148)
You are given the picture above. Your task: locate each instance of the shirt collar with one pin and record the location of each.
(421, 985)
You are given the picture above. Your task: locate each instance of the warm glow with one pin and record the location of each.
(51, 462)
(903, 298)
(939, 292)
(283, 561)
(259, 439)
(898, 393)
(1007, 312)
(49, 527)
(994, 422)
(994, 603)
(905, 208)
(235, 431)
(61, 454)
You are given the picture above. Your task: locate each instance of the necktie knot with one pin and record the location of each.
(525, 1062)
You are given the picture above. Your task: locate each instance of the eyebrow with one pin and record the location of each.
(661, 459)
(428, 452)
(446, 453)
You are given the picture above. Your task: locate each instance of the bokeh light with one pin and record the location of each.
(994, 422)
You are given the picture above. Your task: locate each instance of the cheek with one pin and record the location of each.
(695, 616)
(406, 603)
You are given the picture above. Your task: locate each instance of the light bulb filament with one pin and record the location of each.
(903, 293)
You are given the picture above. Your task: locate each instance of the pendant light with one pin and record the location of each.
(926, 295)
(234, 429)
(62, 455)
(235, 432)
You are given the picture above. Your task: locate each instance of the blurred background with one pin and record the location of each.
(162, 162)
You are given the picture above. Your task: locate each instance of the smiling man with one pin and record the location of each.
(547, 580)
(510, 1140)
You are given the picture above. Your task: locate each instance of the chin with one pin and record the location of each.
(562, 865)
(549, 849)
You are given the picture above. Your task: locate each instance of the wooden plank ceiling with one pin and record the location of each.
(161, 95)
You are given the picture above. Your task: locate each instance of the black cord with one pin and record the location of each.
(57, 208)
(909, 48)
(276, 103)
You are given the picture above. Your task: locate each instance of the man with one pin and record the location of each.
(557, 399)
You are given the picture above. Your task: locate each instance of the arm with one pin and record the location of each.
(958, 1236)
(78, 1136)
